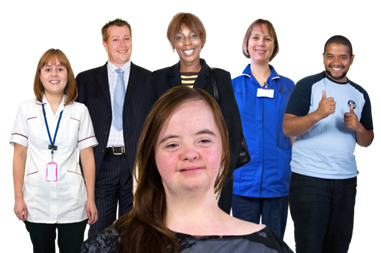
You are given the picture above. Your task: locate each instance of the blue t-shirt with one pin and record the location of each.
(326, 149)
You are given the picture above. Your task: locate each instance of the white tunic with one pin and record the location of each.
(62, 201)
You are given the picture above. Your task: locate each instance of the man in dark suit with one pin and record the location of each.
(116, 96)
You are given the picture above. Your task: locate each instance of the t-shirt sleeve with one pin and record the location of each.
(86, 135)
(366, 114)
(20, 128)
(300, 99)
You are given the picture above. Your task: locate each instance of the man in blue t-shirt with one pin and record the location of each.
(328, 114)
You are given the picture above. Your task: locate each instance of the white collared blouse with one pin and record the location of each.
(64, 200)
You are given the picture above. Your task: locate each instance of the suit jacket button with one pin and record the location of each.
(103, 150)
(106, 132)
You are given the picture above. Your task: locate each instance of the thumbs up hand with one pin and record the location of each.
(351, 120)
(327, 106)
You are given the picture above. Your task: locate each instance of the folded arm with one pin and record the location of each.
(294, 125)
(364, 137)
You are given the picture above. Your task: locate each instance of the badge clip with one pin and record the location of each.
(54, 148)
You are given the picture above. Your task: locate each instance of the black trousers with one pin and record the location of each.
(323, 213)
(43, 236)
(113, 187)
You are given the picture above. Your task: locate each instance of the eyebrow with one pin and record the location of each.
(264, 34)
(117, 36)
(339, 55)
(48, 65)
(183, 33)
(204, 131)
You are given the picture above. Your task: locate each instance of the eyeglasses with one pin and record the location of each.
(192, 37)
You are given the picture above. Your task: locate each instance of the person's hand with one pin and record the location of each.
(20, 209)
(91, 211)
(327, 106)
(351, 120)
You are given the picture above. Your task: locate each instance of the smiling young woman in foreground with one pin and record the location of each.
(181, 161)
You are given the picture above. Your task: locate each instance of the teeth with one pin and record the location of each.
(54, 81)
(188, 51)
(260, 52)
(337, 69)
(122, 51)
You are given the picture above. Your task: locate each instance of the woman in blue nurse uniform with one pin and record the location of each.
(261, 186)
(50, 130)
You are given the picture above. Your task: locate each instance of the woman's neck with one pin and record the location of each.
(190, 66)
(54, 100)
(261, 72)
(195, 214)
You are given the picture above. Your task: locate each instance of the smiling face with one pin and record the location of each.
(190, 48)
(260, 45)
(188, 149)
(53, 77)
(337, 61)
(118, 45)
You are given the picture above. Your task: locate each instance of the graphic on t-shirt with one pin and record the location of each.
(351, 102)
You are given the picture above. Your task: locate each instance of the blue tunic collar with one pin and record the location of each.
(274, 74)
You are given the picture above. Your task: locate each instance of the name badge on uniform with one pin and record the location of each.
(51, 172)
(265, 92)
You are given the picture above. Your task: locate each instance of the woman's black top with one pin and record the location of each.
(164, 79)
(263, 241)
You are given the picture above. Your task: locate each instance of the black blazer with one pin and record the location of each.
(164, 79)
(94, 92)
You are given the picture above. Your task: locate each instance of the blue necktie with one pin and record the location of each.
(119, 92)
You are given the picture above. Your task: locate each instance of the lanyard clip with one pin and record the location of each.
(52, 155)
(52, 147)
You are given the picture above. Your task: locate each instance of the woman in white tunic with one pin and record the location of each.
(49, 131)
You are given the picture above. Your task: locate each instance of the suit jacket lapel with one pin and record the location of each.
(133, 81)
(203, 79)
(173, 75)
(102, 79)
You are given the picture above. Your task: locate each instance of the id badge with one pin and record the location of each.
(51, 172)
(265, 92)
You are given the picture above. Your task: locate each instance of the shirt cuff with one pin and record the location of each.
(19, 139)
(87, 142)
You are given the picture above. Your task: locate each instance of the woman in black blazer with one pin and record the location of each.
(187, 35)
